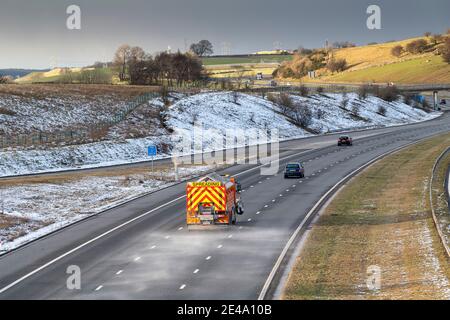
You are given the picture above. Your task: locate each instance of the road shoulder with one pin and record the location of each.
(380, 222)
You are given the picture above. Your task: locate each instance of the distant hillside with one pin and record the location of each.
(245, 59)
(17, 73)
(45, 75)
(376, 63)
(65, 75)
(421, 70)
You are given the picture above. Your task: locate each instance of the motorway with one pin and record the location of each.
(142, 250)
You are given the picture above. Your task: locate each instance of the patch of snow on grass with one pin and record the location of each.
(215, 110)
(46, 207)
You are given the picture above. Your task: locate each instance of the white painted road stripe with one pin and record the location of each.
(87, 243)
(26, 276)
(264, 290)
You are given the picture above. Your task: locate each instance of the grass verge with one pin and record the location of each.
(422, 70)
(440, 199)
(381, 218)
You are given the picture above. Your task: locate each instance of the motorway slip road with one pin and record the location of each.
(142, 249)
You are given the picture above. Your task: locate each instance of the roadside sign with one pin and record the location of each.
(152, 151)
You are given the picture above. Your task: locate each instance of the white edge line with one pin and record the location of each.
(85, 244)
(131, 221)
(280, 259)
(119, 227)
(433, 212)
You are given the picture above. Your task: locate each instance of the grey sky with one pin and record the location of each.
(33, 34)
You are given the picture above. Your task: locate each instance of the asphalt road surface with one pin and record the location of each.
(142, 249)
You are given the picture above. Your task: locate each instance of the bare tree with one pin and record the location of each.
(344, 101)
(235, 97)
(397, 51)
(436, 38)
(363, 92)
(202, 48)
(381, 110)
(446, 53)
(355, 110)
(416, 46)
(240, 78)
(337, 65)
(302, 115)
(286, 103)
(121, 59)
(136, 54)
(303, 90)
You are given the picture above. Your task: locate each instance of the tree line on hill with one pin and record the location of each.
(437, 43)
(141, 68)
(137, 67)
(307, 60)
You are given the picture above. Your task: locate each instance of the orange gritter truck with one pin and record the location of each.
(213, 200)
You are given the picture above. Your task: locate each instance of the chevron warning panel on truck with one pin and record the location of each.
(213, 200)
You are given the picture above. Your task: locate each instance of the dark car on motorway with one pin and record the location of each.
(345, 141)
(294, 170)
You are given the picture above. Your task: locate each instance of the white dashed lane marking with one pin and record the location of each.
(182, 287)
(119, 272)
(98, 288)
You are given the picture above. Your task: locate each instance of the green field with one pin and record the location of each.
(211, 61)
(422, 70)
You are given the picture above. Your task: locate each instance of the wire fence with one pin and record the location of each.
(71, 136)
(342, 87)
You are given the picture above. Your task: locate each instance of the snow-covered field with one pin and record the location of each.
(215, 110)
(44, 207)
(27, 115)
(33, 210)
